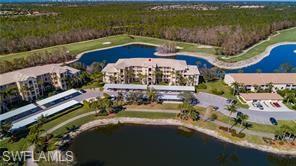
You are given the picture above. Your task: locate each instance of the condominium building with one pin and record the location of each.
(151, 71)
(30, 83)
(251, 81)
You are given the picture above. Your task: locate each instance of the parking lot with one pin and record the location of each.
(268, 106)
(254, 115)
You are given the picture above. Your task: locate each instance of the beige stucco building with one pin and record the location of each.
(279, 81)
(30, 83)
(151, 71)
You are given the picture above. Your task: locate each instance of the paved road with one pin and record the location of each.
(207, 99)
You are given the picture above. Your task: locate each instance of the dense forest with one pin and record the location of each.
(232, 29)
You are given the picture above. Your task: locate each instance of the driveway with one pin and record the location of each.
(207, 99)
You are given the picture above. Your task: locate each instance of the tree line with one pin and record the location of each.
(230, 29)
(59, 55)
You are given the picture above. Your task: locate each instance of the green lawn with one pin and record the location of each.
(23, 143)
(166, 106)
(220, 85)
(288, 35)
(76, 48)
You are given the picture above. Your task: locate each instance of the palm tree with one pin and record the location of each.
(5, 128)
(290, 97)
(188, 112)
(257, 88)
(130, 75)
(244, 118)
(285, 129)
(246, 125)
(158, 75)
(270, 87)
(232, 109)
(41, 120)
(35, 131)
(236, 121)
(236, 87)
(140, 77)
(152, 95)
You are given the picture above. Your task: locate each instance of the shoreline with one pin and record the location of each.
(208, 57)
(178, 123)
(236, 65)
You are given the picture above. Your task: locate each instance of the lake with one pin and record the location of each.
(279, 55)
(146, 145)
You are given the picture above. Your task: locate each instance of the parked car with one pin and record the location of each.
(277, 105)
(273, 121)
(258, 105)
(214, 107)
(82, 91)
(194, 102)
(239, 114)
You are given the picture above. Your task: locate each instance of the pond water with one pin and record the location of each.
(279, 55)
(141, 145)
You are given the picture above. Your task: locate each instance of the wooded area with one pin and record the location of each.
(231, 29)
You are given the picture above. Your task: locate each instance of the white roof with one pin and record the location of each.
(173, 88)
(56, 97)
(17, 111)
(125, 86)
(46, 113)
(23, 74)
(170, 97)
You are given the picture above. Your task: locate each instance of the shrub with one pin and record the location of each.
(239, 135)
(217, 91)
(226, 129)
(202, 86)
(213, 116)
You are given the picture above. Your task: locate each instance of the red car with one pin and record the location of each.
(277, 105)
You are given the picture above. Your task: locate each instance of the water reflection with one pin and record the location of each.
(163, 145)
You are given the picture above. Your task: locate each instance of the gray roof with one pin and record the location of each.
(45, 113)
(144, 87)
(173, 88)
(17, 111)
(125, 86)
(57, 96)
(170, 97)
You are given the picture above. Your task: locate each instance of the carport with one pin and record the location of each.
(264, 101)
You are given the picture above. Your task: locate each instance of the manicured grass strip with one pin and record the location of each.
(166, 106)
